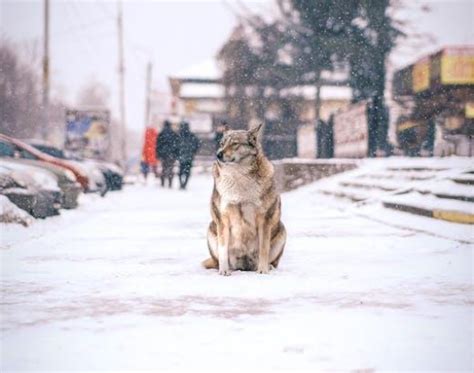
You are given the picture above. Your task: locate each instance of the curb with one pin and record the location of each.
(454, 216)
(446, 215)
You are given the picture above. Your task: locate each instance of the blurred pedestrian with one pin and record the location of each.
(167, 152)
(221, 128)
(148, 160)
(188, 147)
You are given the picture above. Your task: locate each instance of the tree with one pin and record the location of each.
(20, 111)
(311, 36)
(240, 63)
(357, 32)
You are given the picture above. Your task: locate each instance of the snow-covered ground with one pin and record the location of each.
(117, 284)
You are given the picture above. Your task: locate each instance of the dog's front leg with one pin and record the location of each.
(263, 245)
(223, 234)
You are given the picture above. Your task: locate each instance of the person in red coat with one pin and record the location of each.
(149, 161)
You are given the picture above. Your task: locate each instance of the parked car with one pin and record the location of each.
(11, 213)
(112, 173)
(14, 148)
(97, 182)
(33, 189)
(65, 180)
(16, 191)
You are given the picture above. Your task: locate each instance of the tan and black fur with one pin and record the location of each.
(245, 232)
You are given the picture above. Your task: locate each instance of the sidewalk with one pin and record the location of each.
(117, 284)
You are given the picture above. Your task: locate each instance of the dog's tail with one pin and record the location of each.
(210, 263)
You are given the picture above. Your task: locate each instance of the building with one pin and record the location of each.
(438, 94)
(199, 97)
(333, 99)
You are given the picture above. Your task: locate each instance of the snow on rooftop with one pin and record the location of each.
(211, 90)
(207, 90)
(204, 70)
(327, 92)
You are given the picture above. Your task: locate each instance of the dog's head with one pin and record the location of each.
(239, 146)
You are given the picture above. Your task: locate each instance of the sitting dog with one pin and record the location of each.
(245, 232)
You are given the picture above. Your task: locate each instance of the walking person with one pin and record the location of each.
(149, 161)
(188, 147)
(167, 152)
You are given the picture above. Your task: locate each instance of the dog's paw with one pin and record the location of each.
(263, 269)
(225, 272)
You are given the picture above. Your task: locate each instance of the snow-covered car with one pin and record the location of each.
(97, 182)
(11, 213)
(113, 174)
(10, 147)
(33, 189)
(65, 179)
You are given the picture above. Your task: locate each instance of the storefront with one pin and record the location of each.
(439, 89)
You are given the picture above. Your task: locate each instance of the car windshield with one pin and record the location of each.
(58, 153)
(27, 155)
(6, 150)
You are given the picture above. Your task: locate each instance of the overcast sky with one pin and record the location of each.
(174, 35)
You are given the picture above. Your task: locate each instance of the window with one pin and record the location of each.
(27, 155)
(6, 149)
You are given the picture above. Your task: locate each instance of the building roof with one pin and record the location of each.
(205, 70)
(216, 91)
(201, 81)
(201, 90)
(327, 93)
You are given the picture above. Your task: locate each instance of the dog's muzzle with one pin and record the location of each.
(220, 155)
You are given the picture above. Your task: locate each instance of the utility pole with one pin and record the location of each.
(317, 112)
(121, 73)
(147, 93)
(45, 108)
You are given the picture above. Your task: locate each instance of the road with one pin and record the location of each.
(117, 284)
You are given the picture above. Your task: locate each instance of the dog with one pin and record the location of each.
(245, 232)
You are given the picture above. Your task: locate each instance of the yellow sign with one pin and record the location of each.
(421, 76)
(470, 110)
(457, 69)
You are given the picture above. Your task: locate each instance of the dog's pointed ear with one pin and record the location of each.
(226, 128)
(256, 132)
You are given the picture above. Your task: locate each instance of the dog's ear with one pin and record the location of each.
(226, 128)
(255, 133)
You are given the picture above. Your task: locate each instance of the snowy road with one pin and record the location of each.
(117, 284)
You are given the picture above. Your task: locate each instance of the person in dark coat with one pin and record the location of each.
(188, 147)
(167, 152)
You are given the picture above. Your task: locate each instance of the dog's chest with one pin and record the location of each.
(236, 189)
